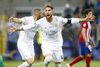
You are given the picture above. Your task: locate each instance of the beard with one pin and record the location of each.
(39, 17)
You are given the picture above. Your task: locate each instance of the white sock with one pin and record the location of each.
(47, 60)
(57, 65)
(25, 64)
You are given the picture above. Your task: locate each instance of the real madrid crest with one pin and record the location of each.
(56, 25)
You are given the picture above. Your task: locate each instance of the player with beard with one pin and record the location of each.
(52, 41)
(25, 40)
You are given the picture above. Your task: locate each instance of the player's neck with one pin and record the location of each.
(49, 19)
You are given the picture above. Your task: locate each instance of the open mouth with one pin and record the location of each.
(48, 15)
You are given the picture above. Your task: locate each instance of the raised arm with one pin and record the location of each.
(88, 14)
(88, 18)
(32, 26)
(77, 20)
(16, 20)
(14, 29)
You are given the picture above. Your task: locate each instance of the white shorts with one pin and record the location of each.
(57, 54)
(26, 50)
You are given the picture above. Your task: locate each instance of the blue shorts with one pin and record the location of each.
(84, 50)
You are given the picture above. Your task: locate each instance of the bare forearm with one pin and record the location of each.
(91, 39)
(19, 29)
(82, 19)
(76, 20)
(16, 20)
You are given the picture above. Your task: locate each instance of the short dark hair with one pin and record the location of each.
(37, 10)
(50, 6)
(86, 11)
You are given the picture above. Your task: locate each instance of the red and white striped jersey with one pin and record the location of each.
(87, 26)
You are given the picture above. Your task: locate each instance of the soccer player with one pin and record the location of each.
(25, 40)
(84, 40)
(52, 41)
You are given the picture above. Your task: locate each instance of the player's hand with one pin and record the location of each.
(93, 44)
(11, 18)
(12, 29)
(90, 18)
(87, 44)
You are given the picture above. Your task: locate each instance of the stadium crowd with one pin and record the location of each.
(70, 32)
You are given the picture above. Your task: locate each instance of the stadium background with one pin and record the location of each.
(65, 8)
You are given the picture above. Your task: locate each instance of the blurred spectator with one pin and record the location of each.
(94, 30)
(98, 44)
(67, 11)
(76, 28)
(79, 9)
(97, 7)
(67, 32)
(67, 28)
(11, 39)
(98, 19)
(9, 24)
(88, 5)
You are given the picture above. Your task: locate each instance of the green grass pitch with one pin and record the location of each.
(94, 63)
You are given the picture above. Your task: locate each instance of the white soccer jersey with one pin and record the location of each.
(51, 32)
(27, 35)
(51, 35)
(25, 40)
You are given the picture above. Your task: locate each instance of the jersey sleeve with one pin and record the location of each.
(23, 19)
(29, 26)
(69, 20)
(84, 25)
(74, 20)
(63, 20)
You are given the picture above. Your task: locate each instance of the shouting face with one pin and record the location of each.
(48, 12)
